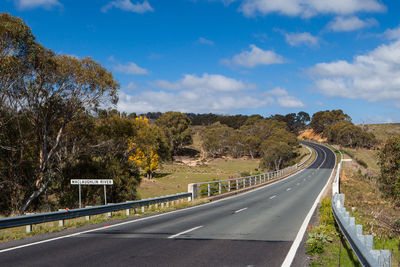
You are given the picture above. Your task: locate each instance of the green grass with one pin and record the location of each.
(332, 248)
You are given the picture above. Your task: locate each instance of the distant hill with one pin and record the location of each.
(382, 131)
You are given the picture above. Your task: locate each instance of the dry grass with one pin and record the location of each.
(174, 177)
(382, 131)
(311, 135)
(377, 214)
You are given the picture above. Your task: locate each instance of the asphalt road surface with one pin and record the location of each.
(256, 228)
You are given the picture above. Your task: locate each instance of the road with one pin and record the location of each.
(256, 228)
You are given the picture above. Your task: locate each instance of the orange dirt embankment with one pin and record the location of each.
(311, 135)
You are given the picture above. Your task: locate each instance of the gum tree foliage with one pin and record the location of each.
(389, 162)
(322, 119)
(257, 138)
(295, 122)
(41, 94)
(347, 134)
(176, 127)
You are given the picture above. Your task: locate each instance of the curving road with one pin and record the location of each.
(256, 228)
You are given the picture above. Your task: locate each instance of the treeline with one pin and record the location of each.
(337, 127)
(267, 139)
(294, 122)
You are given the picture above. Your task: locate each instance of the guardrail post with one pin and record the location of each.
(167, 204)
(229, 186)
(87, 217)
(28, 228)
(61, 222)
(192, 188)
(128, 212)
(219, 188)
(142, 209)
(162, 205)
(244, 182)
(208, 190)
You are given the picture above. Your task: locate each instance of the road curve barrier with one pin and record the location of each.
(362, 245)
(208, 189)
(62, 215)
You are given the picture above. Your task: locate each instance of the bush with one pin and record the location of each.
(389, 162)
(319, 236)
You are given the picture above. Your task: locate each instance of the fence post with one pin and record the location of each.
(219, 188)
(229, 186)
(208, 189)
(244, 182)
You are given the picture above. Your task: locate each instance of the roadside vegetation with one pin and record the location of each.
(370, 183)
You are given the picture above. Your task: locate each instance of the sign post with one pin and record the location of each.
(80, 198)
(80, 182)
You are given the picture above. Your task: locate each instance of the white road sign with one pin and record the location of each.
(92, 182)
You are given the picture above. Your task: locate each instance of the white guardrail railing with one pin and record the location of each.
(208, 189)
(362, 245)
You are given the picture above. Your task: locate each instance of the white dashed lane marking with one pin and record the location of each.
(240, 210)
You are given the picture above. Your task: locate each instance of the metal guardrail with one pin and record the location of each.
(218, 187)
(222, 186)
(362, 245)
(75, 213)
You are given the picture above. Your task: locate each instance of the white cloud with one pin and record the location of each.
(29, 4)
(203, 40)
(296, 39)
(207, 82)
(284, 99)
(309, 8)
(374, 76)
(256, 56)
(347, 24)
(130, 68)
(203, 94)
(392, 34)
(127, 5)
(188, 101)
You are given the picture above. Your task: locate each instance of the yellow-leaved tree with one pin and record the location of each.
(142, 148)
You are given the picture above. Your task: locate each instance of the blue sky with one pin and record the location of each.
(234, 56)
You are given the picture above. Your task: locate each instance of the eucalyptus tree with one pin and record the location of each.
(43, 92)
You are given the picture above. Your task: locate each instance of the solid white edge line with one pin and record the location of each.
(185, 232)
(152, 216)
(296, 243)
(241, 210)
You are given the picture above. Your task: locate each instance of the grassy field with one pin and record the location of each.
(383, 131)
(174, 177)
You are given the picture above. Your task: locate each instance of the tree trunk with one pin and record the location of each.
(34, 195)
